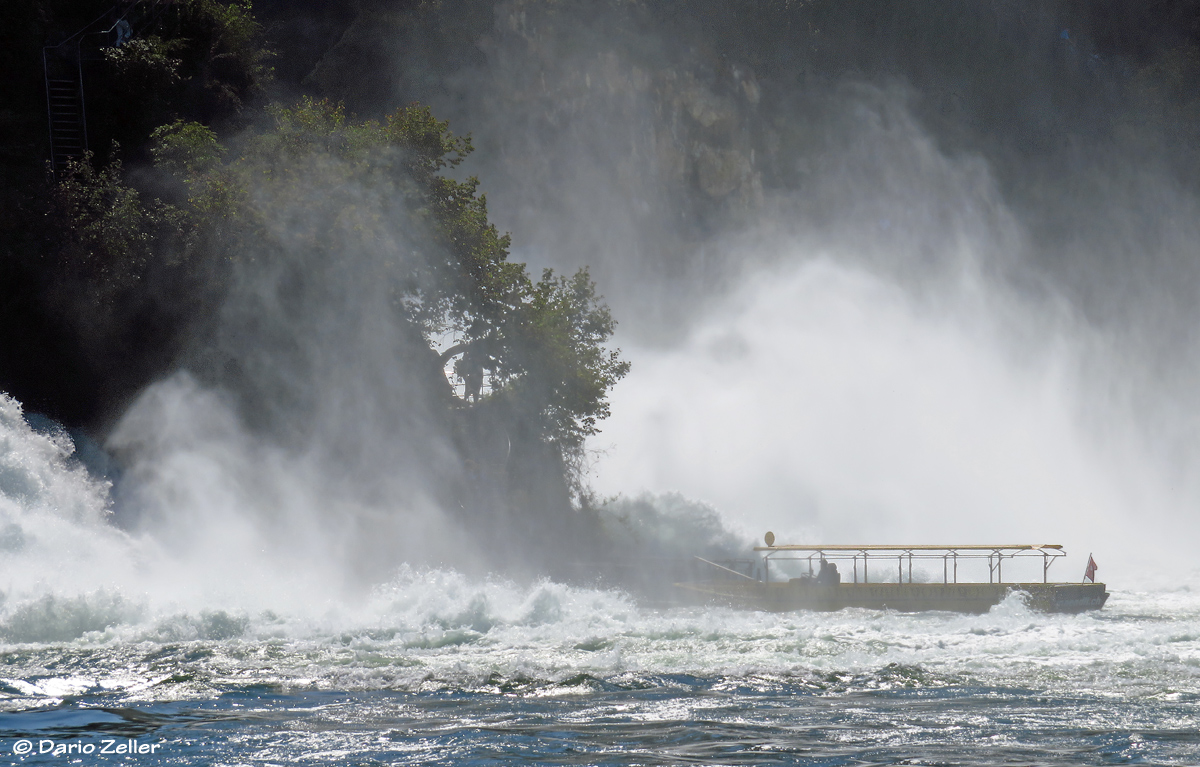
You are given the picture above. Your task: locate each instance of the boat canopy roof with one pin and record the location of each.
(995, 554)
(918, 547)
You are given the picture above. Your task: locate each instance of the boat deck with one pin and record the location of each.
(803, 594)
(831, 589)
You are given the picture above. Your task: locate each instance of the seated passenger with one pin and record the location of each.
(828, 576)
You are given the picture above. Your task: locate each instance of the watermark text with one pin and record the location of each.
(115, 746)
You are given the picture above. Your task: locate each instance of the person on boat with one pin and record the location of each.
(828, 574)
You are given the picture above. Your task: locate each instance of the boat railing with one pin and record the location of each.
(950, 556)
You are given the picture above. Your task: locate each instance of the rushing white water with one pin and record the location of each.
(54, 530)
(67, 569)
(437, 629)
(82, 602)
(105, 634)
(76, 585)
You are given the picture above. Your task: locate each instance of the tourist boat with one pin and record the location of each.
(823, 586)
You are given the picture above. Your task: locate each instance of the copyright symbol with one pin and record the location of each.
(22, 746)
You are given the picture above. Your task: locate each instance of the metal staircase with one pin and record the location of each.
(62, 64)
(65, 107)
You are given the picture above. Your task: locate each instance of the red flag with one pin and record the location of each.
(1090, 573)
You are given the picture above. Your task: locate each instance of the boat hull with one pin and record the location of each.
(804, 594)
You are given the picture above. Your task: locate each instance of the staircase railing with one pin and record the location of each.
(65, 107)
(62, 68)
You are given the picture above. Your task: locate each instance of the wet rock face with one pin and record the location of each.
(705, 107)
(720, 172)
(598, 122)
(365, 46)
(682, 123)
(710, 133)
(600, 138)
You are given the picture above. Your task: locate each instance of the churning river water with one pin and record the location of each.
(112, 652)
(439, 669)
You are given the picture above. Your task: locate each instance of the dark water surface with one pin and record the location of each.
(1088, 700)
(683, 721)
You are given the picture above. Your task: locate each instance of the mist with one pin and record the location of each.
(894, 277)
(930, 279)
(323, 434)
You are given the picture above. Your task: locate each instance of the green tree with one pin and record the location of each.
(195, 60)
(105, 234)
(320, 181)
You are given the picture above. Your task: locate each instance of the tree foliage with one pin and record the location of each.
(316, 179)
(133, 265)
(107, 233)
(195, 60)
